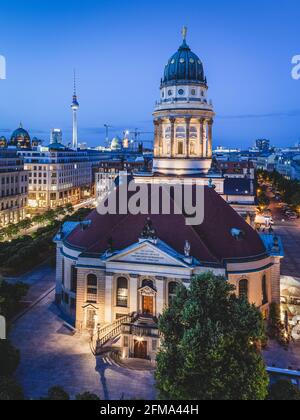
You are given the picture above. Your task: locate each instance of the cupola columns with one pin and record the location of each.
(183, 117)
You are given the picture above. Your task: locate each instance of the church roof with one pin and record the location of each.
(211, 242)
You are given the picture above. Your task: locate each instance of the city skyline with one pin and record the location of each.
(120, 60)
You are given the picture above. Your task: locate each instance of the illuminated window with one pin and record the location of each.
(180, 148)
(92, 289)
(244, 289)
(122, 292)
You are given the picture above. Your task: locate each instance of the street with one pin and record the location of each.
(289, 231)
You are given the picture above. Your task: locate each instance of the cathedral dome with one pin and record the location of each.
(116, 143)
(184, 67)
(20, 138)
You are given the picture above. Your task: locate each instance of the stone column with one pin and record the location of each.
(187, 136)
(133, 293)
(156, 138)
(173, 144)
(209, 139)
(109, 298)
(160, 137)
(160, 297)
(201, 142)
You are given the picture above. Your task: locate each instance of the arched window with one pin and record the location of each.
(264, 290)
(193, 132)
(148, 283)
(180, 132)
(168, 132)
(172, 289)
(244, 289)
(92, 288)
(122, 292)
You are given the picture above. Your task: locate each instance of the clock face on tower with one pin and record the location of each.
(181, 92)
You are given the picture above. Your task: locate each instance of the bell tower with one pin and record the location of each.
(183, 117)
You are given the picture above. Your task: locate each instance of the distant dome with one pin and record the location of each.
(20, 138)
(184, 67)
(56, 146)
(116, 143)
(3, 141)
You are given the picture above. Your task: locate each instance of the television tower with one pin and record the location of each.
(75, 107)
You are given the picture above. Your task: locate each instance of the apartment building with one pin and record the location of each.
(13, 187)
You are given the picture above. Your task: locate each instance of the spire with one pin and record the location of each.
(21, 125)
(75, 94)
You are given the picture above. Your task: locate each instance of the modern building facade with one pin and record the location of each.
(13, 187)
(117, 272)
(58, 175)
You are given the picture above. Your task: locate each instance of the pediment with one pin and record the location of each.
(148, 253)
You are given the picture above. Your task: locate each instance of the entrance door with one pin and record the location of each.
(148, 305)
(90, 319)
(140, 349)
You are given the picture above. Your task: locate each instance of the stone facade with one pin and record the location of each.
(13, 187)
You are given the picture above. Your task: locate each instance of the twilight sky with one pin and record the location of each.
(119, 49)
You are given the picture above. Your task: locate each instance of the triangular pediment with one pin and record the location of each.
(149, 253)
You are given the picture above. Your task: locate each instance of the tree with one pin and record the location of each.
(10, 390)
(284, 391)
(276, 329)
(69, 208)
(87, 396)
(57, 393)
(9, 358)
(211, 345)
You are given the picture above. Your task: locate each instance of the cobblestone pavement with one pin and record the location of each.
(51, 355)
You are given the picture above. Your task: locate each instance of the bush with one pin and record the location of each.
(9, 358)
(284, 391)
(10, 390)
(57, 393)
(87, 396)
(276, 329)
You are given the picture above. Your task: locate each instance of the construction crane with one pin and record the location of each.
(137, 133)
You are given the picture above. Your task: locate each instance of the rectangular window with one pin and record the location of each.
(154, 345)
(92, 295)
(73, 279)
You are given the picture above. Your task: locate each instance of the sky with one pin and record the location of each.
(119, 49)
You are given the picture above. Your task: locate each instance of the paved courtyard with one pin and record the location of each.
(52, 355)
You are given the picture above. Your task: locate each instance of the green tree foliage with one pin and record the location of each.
(9, 358)
(10, 390)
(276, 329)
(11, 295)
(87, 396)
(284, 391)
(289, 189)
(210, 349)
(57, 393)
